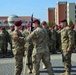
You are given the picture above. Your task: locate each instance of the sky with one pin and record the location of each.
(28, 7)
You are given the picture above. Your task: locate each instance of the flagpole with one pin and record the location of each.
(31, 23)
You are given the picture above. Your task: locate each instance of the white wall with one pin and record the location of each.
(71, 12)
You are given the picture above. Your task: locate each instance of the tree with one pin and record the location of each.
(50, 24)
(70, 22)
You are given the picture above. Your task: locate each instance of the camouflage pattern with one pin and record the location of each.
(58, 41)
(53, 42)
(4, 39)
(18, 51)
(75, 27)
(29, 46)
(40, 51)
(10, 41)
(74, 37)
(66, 42)
(49, 43)
(49, 38)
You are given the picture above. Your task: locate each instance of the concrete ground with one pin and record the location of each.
(7, 65)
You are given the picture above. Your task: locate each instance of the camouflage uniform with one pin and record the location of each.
(4, 39)
(74, 39)
(49, 43)
(40, 51)
(18, 51)
(29, 46)
(66, 42)
(53, 42)
(74, 31)
(58, 41)
(49, 38)
(10, 41)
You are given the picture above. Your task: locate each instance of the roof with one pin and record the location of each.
(20, 17)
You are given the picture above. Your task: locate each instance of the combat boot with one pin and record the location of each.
(67, 73)
(44, 67)
(29, 71)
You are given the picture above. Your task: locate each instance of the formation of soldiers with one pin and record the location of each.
(38, 44)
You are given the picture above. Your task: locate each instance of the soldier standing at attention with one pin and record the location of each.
(10, 42)
(54, 39)
(66, 46)
(44, 25)
(4, 35)
(41, 50)
(18, 47)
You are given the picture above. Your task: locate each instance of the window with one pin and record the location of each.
(65, 7)
(26, 21)
(75, 6)
(0, 22)
(11, 21)
(65, 12)
(75, 16)
(75, 11)
(65, 16)
(75, 21)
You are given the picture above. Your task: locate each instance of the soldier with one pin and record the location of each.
(58, 42)
(74, 37)
(4, 35)
(10, 41)
(44, 25)
(41, 50)
(29, 46)
(22, 29)
(66, 46)
(54, 39)
(18, 47)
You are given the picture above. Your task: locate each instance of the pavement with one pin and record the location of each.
(7, 65)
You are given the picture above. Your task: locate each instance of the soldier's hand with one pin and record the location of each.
(30, 31)
(68, 49)
(15, 36)
(26, 49)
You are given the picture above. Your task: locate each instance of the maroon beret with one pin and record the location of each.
(36, 21)
(72, 26)
(44, 23)
(64, 20)
(18, 23)
(3, 28)
(28, 25)
(12, 29)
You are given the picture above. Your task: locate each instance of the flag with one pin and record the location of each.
(31, 23)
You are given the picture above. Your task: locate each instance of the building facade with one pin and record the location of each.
(63, 10)
(71, 12)
(51, 15)
(9, 20)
